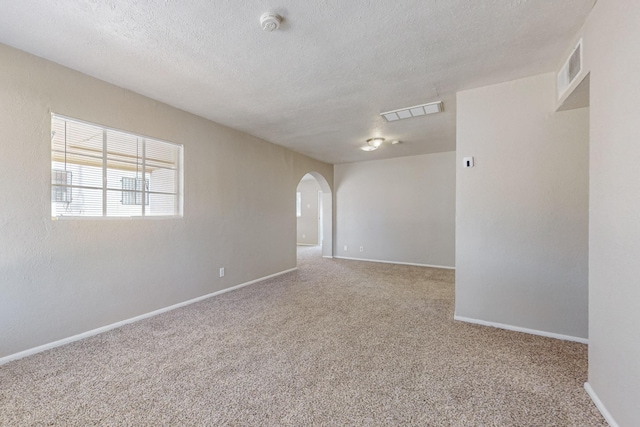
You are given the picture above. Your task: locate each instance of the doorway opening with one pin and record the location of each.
(314, 214)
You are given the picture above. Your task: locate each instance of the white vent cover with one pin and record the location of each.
(415, 111)
(571, 69)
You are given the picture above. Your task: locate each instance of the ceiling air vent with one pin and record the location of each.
(571, 69)
(415, 111)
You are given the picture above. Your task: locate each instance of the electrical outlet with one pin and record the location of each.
(361, 248)
(345, 247)
(222, 272)
(304, 236)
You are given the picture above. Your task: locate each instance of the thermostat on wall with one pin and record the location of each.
(467, 162)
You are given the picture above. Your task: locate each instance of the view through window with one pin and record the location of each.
(102, 172)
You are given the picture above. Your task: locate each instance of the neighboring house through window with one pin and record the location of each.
(61, 182)
(132, 191)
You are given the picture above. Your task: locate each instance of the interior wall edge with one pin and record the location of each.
(445, 267)
(603, 409)
(521, 329)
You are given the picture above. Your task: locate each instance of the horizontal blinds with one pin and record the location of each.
(98, 171)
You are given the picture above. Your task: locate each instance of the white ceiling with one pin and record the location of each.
(318, 84)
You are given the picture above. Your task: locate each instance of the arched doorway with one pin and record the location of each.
(314, 212)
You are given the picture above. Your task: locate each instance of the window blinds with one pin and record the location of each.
(97, 171)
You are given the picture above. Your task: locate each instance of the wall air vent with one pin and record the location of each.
(415, 111)
(571, 70)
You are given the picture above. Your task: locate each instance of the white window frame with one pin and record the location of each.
(145, 193)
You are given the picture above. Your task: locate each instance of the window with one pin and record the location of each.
(298, 204)
(102, 172)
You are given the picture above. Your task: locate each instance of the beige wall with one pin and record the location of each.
(612, 56)
(398, 210)
(61, 278)
(522, 211)
(307, 231)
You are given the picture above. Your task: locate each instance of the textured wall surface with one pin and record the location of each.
(307, 231)
(61, 278)
(400, 210)
(611, 37)
(522, 211)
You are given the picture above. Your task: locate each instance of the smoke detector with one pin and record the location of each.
(270, 21)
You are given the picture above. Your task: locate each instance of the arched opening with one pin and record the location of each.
(314, 212)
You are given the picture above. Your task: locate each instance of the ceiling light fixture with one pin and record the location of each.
(415, 111)
(372, 144)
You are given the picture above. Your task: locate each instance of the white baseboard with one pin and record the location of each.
(307, 244)
(603, 410)
(520, 329)
(396, 262)
(327, 256)
(58, 343)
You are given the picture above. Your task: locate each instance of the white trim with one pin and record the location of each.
(603, 410)
(520, 329)
(396, 262)
(327, 256)
(113, 218)
(307, 244)
(106, 328)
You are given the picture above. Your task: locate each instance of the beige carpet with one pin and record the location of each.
(336, 343)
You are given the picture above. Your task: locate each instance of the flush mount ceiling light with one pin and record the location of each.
(415, 111)
(372, 144)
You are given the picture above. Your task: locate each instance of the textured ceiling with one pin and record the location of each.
(318, 84)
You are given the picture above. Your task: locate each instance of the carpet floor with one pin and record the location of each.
(335, 343)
